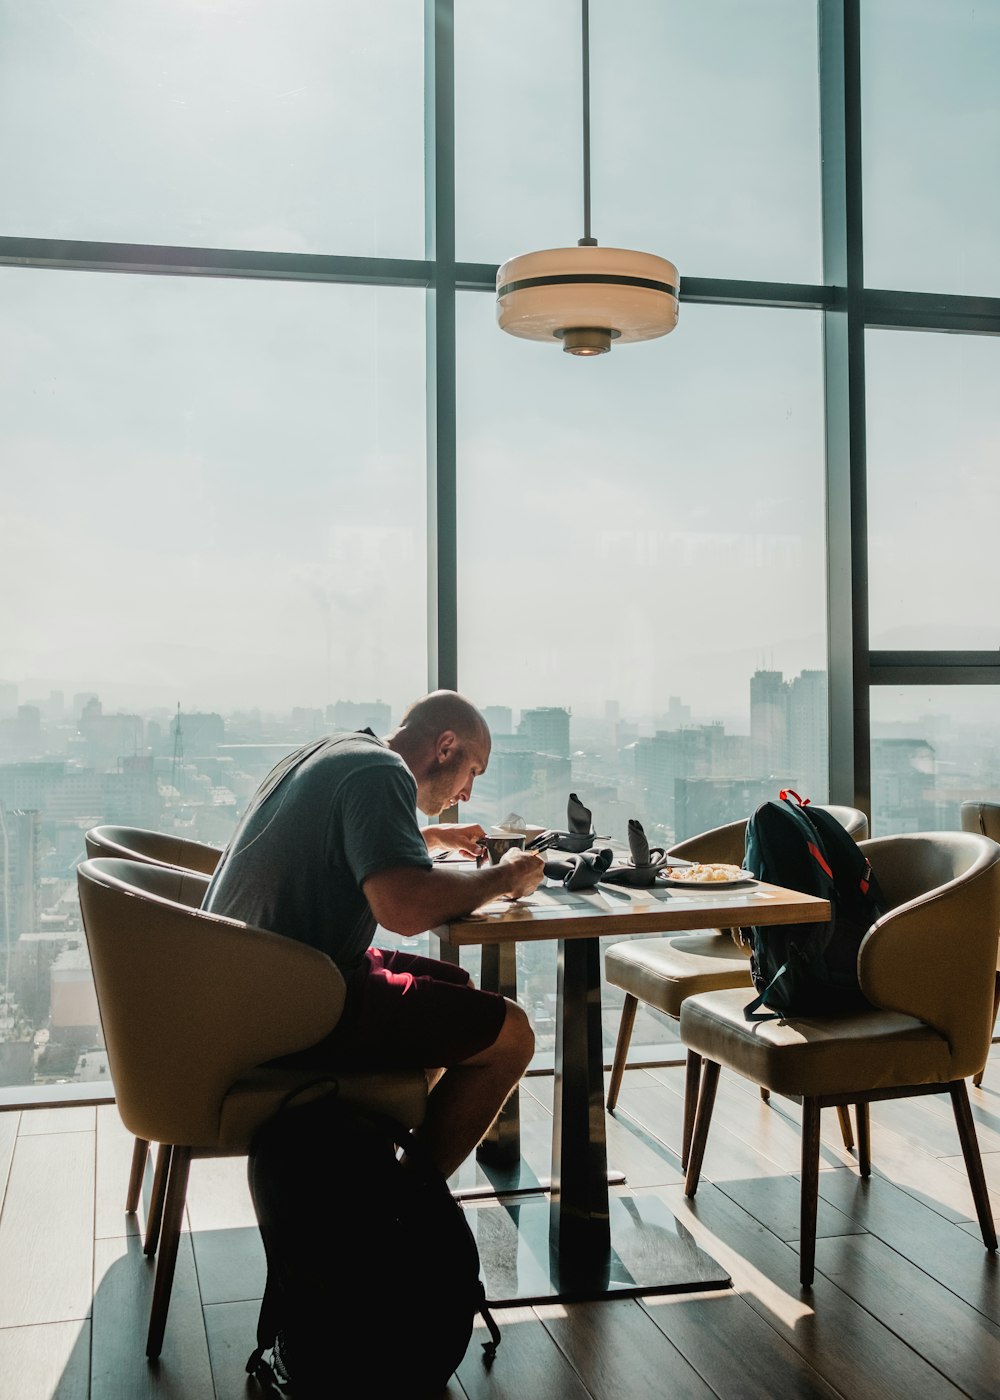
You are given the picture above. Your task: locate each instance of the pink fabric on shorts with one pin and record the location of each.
(406, 1011)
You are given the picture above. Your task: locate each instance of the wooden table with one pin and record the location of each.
(577, 1240)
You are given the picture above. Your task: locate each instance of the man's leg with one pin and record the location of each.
(467, 1097)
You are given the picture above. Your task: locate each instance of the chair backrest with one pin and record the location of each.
(983, 817)
(191, 1001)
(153, 847)
(728, 843)
(933, 954)
(852, 819)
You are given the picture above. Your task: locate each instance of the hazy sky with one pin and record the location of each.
(216, 490)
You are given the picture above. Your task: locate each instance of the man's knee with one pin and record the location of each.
(517, 1036)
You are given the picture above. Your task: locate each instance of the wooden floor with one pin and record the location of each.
(906, 1301)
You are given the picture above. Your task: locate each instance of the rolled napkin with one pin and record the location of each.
(579, 819)
(582, 871)
(637, 843)
(580, 827)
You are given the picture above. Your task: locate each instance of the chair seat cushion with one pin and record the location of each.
(259, 1094)
(662, 972)
(820, 1055)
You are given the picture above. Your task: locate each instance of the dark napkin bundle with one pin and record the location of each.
(579, 833)
(637, 843)
(646, 861)
(582, 871)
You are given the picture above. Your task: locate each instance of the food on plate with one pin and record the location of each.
(704, 872)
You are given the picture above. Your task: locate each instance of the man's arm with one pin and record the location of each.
(409, 900)
(450, 836)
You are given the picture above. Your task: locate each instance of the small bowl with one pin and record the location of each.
(529, 833)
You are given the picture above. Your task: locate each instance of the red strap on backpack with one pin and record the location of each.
(786, 793)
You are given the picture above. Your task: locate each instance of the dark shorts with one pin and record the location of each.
(405, 1011)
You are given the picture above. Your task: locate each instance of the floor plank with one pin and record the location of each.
(48, 1361)
(719, 1332)
(841, 1340)
(114, 1162)
(47, 1229)
(57, 1120)
(955, 1338)
(525, 1356)
(123, 1286)
(616, 1339)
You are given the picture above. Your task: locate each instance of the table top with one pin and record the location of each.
(552, 911)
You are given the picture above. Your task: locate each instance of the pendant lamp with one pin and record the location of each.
(587, 297)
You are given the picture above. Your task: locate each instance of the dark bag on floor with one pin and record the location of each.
(800, 969)
(372, 1269)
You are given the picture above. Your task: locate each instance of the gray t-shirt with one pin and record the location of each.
(326, 818)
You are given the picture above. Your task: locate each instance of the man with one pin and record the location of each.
(330, 846)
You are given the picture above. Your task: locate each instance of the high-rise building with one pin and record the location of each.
(500, 719)
(769, 725)
(808, 751)
(546, 730)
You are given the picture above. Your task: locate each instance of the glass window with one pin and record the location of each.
(641, 584)
(931, 141)
(933, 748)
(214, 549)
(933, 490)
(293, 127)
(704, 133)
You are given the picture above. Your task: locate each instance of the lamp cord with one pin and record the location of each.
(586, 240)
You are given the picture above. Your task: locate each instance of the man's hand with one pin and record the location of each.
(451, 836)
(526, 871)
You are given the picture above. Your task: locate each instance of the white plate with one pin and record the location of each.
(745, 878)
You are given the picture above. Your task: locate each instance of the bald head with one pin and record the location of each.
(445, 742)
(446, 709)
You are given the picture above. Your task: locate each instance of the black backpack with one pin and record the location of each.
(800, 969)
(372, 1267)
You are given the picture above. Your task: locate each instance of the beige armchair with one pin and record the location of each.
(926, 967)
(984, 817)
(662, 972)
(193, 1007)
(153, 847)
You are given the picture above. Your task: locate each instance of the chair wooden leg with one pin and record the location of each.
(706, 1102)
(156, 1199)
(973, 1161)
(847, 1133)
(692, 1081)
(864, 1139)
(140, 1154)
(978, 1079)
(621, 1047)
(173, 1214)
(810, 1191)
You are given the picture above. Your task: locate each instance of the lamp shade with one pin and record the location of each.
(587, 297)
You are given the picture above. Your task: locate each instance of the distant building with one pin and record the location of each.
(788, 731)
(74, 1017)
(500, 719)
(21, 733)
(348, 715)
(20, 858)
(903, 786)
(201, 732)
(546, 730)
(702, 803)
